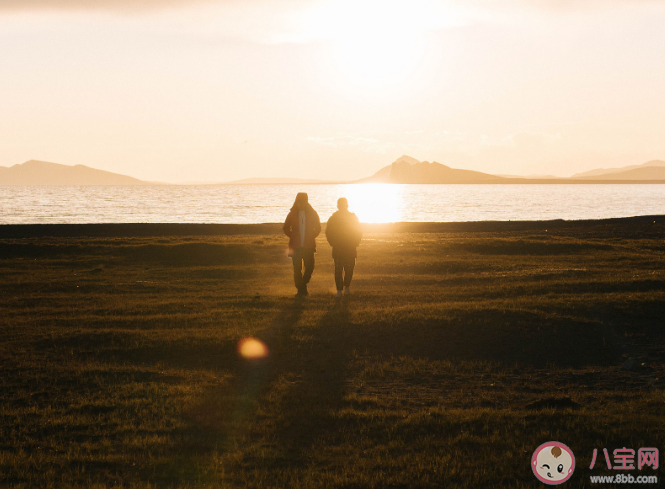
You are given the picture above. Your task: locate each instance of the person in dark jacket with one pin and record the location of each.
(343, 232)
(302, 226)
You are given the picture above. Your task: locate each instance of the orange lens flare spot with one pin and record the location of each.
(252, 348)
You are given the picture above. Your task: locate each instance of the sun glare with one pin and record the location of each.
(375, 202)
(378, 44)
(376, 60)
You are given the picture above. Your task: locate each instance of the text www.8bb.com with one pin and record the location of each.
(624, 479)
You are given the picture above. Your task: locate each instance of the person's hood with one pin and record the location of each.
(308, 208)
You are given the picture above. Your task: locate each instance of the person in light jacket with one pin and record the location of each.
(302, 226)
(344, 234)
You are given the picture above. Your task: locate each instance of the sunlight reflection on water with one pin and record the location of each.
(242, 204)
(375, 202)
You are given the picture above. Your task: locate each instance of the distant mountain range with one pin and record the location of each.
(651, 170)
(35, 172)
(409, 170)
(403, 170)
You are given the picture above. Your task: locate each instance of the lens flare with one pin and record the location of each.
(251, 348)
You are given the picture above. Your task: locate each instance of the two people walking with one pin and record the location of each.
(343, 232)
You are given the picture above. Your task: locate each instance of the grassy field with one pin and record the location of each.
(462, 349)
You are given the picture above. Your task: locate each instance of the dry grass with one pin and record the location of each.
(458, 355)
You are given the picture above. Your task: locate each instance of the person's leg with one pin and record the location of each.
(297, 268)
(308, 259)
(348, 271)
(339, 270)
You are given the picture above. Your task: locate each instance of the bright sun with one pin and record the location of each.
(376, 59)
(377, 43)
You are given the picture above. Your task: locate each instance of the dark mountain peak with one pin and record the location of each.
(410, 170)
(406, 169)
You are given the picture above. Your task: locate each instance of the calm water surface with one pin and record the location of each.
(240, 204)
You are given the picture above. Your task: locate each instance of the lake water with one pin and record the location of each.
(241, 204)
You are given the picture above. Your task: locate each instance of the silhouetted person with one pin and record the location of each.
(302, 226)
(343, 232)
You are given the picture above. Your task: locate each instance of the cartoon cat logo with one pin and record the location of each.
(553, 463)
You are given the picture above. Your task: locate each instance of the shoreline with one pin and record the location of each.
(19, 231)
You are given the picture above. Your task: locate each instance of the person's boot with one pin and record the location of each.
(302, 291)
(347, 291)
(339, 293)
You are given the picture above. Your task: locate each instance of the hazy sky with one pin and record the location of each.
(176, 90)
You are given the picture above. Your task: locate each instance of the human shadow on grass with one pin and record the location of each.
(314, 373)
(321, 372)
(224, 412)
